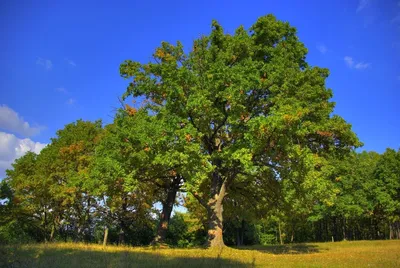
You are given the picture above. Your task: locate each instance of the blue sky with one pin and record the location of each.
(60, 59)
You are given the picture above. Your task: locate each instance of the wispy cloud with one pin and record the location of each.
(352, 64)
(369, 20)
(70, 62)
(362, 65)
(47, 64)
(62, 90)
(362, 4)
(322, 48)
(396, 19)
(349, 61)
(71, 101)
(13, 122)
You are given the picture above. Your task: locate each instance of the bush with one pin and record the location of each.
(268, 239)
(13, 232)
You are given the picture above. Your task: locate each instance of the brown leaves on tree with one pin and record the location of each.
(188, 137)
(72, 149)
(326, 134)
(130, 110)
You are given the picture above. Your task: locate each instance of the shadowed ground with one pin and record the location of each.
(47, 256)
(286, 249)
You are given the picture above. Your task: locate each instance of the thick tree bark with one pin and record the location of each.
(215, 224)
(215, 209)
(168, 205)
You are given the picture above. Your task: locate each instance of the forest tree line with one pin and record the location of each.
(240, 127)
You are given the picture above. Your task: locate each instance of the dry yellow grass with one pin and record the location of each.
(340, 254)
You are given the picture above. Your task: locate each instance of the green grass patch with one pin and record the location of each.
(339, 254)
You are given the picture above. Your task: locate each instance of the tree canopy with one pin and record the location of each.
(251, 103)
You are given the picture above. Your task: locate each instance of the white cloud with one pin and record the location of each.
(70, 62)
(12, 148)
(322, 48)
(62, 90)
(71, 101)
(352, 64)
(362, 4)
(47, 64)
(362, 65)
(11, 121)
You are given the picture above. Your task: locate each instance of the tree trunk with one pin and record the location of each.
(45, 225)
(88, 221)
(292, 237)
(215, 224)
(280, 233)
(105, 236)
(121, 237)
(334, 229)
(242, 233)
(123, 224)
(215, 209)
(168, 205)
(344, 229)
(238, 237)
(52, 232)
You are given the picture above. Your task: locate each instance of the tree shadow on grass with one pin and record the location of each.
(93, 258)
(286, 249)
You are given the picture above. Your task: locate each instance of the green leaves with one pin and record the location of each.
(247, 101)
(387, 188)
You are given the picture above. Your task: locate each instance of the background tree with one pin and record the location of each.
(31, 199)
(142, 151)
(75, 146)
(387, 191)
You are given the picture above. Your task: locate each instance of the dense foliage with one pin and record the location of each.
(240, 126)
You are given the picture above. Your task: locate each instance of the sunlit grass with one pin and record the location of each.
(340, 254)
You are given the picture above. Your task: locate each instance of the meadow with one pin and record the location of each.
(338, 254)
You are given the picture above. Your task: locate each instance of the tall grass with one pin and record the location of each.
(340, 254)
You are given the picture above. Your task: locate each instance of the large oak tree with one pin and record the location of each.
(250, 101)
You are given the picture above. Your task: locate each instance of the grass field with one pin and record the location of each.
(339, 254)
